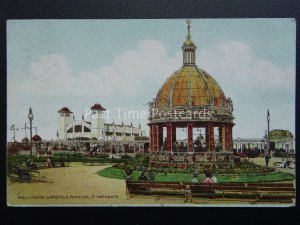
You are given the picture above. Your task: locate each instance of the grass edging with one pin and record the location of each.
(115, 173)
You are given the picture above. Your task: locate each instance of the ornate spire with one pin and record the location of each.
(189, 47)
(189, 22)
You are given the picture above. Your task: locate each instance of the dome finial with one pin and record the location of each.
(189, 47)
(189, 25)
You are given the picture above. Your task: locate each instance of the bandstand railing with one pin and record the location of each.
(192, 157)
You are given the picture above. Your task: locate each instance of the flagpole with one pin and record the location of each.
(14, 135)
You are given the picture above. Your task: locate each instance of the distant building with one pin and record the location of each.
(96, 128)
(279, 139)
(282, 139)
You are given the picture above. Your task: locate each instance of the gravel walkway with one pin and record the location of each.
(80, 185)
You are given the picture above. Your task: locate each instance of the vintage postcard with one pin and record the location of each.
(169, 112)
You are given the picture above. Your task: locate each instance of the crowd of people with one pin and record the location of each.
(210, 178)
(143, 175)
(149, 175)
(49, 163)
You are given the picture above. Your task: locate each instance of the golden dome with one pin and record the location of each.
(190, 87)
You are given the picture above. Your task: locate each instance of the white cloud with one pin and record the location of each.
(235, 60)
(51, 75)
(136, 72)
(149, 64)
(127, 75)
(244, 77)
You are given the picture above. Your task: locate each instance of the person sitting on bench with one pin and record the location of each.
(151, 176)
(208, 179)
(128, 173)
(213, 177)
(143, 176)
(195, 178)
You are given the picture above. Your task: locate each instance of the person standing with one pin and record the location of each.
(267, 158)
(49, 163)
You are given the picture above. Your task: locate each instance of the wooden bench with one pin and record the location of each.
(156, 189)
(91, 162)
(262, 192)
(275, 192)
(26, 175)
(283, 192)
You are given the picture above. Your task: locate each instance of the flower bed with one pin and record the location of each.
(116, 173)
(243, 167)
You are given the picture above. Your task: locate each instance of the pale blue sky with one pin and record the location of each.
(123, 63)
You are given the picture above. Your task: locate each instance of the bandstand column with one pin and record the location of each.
(160, 136)
(190, 137)
(151, 138)
(155, 135)
(227, 137)
(231, 139)
(210, 142)
(222, 136)
(173, 134)
(169, 137)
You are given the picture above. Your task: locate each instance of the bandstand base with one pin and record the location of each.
(211, 160)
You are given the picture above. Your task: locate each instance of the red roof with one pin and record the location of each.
(36, 138)
(65, 110)
(97, 106)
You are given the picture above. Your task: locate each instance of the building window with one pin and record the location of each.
(86, 129)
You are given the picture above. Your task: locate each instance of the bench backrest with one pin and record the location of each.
(132, 184)
(202, 187)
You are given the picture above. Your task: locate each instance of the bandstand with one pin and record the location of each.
(190, 99)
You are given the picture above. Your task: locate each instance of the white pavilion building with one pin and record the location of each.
(96, 128)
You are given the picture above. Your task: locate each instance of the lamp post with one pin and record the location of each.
(30, 117)
(14, 129)
(107, 130)
(268, 137)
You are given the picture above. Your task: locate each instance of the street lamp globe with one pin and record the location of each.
(30, 114)
(30, 117)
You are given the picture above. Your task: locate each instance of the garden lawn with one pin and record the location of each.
(180, 177)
